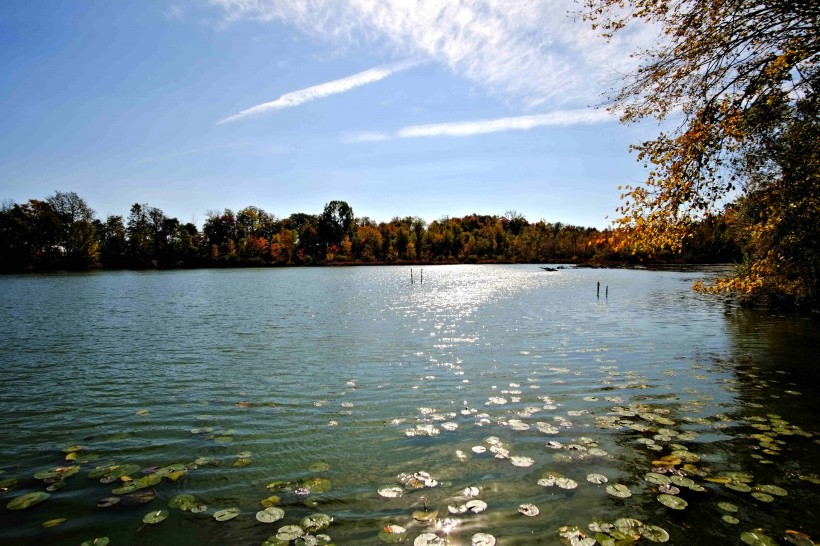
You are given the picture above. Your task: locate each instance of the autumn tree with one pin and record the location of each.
(738, 83)
(221, 232)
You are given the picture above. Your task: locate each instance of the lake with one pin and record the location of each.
(169, 408)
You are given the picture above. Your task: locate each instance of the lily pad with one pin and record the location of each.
(619, 490)
(673, 502)
(727, 506)
(528, 509)
(99, 541)
(597, 478)
(45, 474)
(393, 534)
(273, 540)
(56, 486)
(390, 492)
(653, 533)
(681, 481)
(476, 506)
(141, 497)
(27, 500)
(762, 497)
(629, 526)
(573, 536)
(424, 516)
(757, 537)
(108, 501)
(669, 489)
(566, 483)
(522, 462)
(315, 522)
(155, 517)
(53, 523)
(270, 501)
(270, 514)
(429, 539)
(127, 488)
(772, 490)
(7, 485)
(482, 539)
(226, 514)
(657, 479)
(289, 532)
(183, 502)
(797, 538)
(317, 484)
(730, 519)
(811, 478)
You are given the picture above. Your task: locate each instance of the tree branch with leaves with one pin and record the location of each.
(741, 79)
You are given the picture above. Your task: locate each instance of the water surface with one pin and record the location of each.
(350, 375)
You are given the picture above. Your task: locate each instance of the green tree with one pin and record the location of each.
(743, 79)
(76, 234)
(111, 236)
(29, 235)
(335, 222)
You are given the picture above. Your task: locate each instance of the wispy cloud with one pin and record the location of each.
(531, 53)
(564, 118)
(322, 90)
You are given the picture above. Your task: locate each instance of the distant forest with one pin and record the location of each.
(61, 232)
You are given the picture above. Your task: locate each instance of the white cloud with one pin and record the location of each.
(366, 136)
(308, 94)
(525, 51)
(562, 118)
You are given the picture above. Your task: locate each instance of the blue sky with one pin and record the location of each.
(397, 107)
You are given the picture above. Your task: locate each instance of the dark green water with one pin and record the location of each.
(343, 375)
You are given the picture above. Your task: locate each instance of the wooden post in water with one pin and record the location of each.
(607, 291)
(598, 290)
(411, 275)
(421, 281)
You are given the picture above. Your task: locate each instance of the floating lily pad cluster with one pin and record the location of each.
(430, 423)
(674, 473)
(465, 504)
(552, 478)
(621, 531)
(303, 488)
(772, 429)
(584, 448)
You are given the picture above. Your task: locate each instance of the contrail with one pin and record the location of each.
(322, 90)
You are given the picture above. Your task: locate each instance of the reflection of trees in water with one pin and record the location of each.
(785, 345)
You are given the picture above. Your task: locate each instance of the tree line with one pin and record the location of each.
(62, 232)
